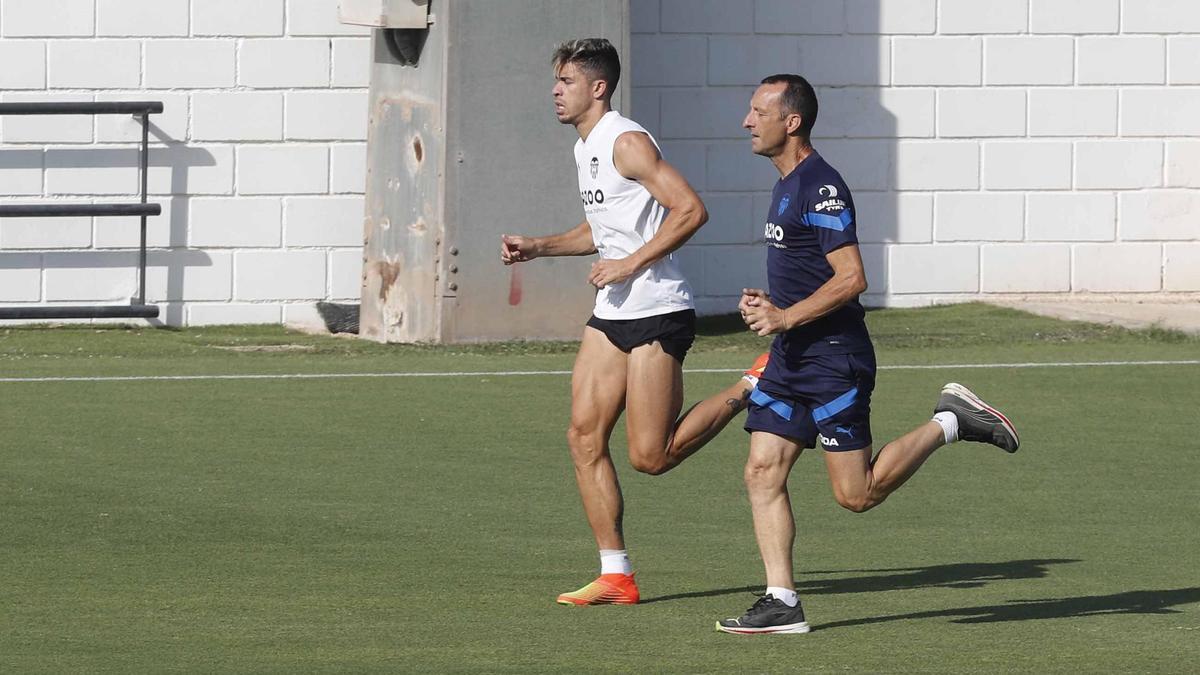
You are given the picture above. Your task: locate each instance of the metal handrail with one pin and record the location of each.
(64, 210)
(82, 108)
(141, 110)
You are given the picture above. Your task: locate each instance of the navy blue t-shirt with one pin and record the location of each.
(812, 214)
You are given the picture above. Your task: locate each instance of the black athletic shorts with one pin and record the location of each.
(675, 332)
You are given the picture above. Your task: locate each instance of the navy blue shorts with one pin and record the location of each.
(824, 398)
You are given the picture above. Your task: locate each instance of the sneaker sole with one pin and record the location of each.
(962, 392)
(788, 629)
(570, 603)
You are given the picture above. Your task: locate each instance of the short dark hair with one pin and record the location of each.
(799, 98)
(595, 56)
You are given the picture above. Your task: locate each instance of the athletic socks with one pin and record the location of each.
(949, 424)
(785, 595)
(615, 561)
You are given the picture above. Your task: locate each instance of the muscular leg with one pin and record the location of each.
(653, 397)
(703, 421)
(658, 441)
(860, 483)
(771, 459)
(597, 397)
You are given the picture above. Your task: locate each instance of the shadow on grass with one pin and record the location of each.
(1129, 602)
(957, 575)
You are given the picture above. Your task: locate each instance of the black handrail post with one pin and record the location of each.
(145, 161)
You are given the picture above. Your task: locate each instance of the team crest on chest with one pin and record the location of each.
(783, 204)
(595, 165)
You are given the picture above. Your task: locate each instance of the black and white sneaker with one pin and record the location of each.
(768, 615)
(977, 421)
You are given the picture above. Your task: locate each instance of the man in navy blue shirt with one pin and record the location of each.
(818, 381)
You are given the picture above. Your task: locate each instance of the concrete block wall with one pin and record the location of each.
(1008, 147)
(1002, 147)
(258, 159)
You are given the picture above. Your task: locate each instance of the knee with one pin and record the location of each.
(654, 467)
(857, 503)
(761, 477)
(649, 460)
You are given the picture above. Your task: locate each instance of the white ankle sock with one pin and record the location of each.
(949, 424)
(785, 595)
(615, 561)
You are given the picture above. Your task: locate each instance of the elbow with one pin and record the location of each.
(693, 215)
(856, 284)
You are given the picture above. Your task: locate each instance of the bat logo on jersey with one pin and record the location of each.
(595, 166)
(783, 204)
(831, 203)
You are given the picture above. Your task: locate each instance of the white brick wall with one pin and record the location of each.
(265, 64)
(1014, 146)
(258, 159)
(1031, 268)
(993, 16)
(20, 277)
(978, 216)
(24, 18)
(1117, 268)
(1071, 216)
(237, 222)
(1075, 16)
(943, 61)
(94, 64)
(153, 18)
(1029, 60)
(1183, 163)
(1181, 263)
(237, 17)
(323, 221)
(237, 116)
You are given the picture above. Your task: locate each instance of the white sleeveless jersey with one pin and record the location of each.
(623, 217)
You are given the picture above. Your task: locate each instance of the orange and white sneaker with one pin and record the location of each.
(755, 371)
(607, 589)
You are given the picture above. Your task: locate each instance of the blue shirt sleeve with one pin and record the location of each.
(829, 211)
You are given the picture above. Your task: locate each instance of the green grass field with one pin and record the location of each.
(422, 524)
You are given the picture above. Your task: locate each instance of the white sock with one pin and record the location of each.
(785, 595)
(615, 561)
(949, 424)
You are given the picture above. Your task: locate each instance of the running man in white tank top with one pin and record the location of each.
(632, 351)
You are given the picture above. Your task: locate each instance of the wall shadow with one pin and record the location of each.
(697, 117)
(856, 131)
(170, 168)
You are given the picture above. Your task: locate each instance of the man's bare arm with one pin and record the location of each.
(575, 241)
(848, 281)
(636, 158)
